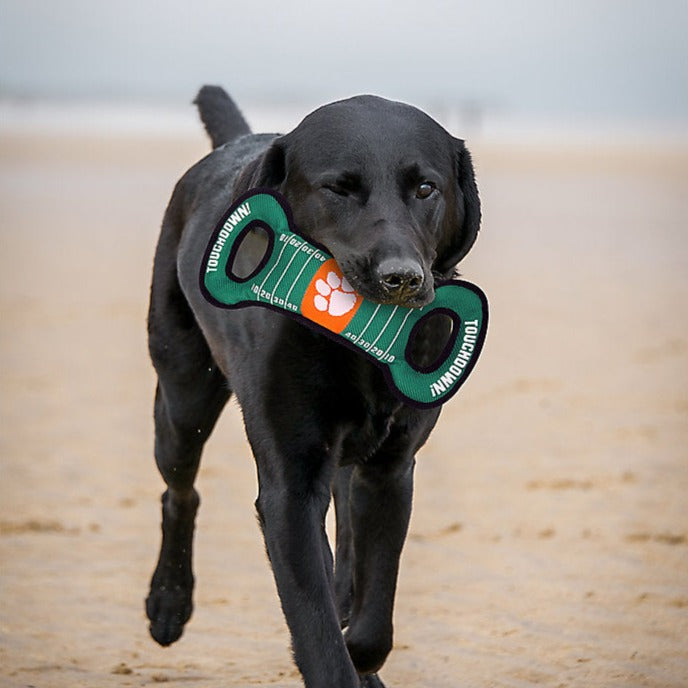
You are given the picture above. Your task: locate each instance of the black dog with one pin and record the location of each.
(392, 196)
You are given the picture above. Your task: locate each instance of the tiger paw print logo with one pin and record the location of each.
(330, 300)
(335, 295)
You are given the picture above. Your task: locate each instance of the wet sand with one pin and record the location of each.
(549, 541)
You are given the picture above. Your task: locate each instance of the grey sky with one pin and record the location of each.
(622, 59)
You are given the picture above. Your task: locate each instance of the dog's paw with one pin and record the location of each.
(335, 295)
(168, 607)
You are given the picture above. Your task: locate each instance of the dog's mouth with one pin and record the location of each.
(397, 289)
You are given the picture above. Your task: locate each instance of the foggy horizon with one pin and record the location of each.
(543, 60)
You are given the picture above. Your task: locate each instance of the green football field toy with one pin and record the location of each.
(302, 280)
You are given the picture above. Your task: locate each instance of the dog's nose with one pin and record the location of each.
(401, 276)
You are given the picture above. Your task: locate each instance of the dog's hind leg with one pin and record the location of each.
(190, 395)
(179, 439)
(343, 580)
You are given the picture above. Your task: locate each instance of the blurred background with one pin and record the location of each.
(549, 540)
(608, 67)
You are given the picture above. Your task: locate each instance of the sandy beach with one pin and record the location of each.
(549, 540)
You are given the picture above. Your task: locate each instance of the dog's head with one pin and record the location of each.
(382, 187)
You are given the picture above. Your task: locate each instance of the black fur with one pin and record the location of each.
(392, 196)
(222, 119)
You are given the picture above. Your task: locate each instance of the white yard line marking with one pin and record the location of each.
(391, 315)
(267, 277)
(372, 317)
(396, 336)
(298, 277)
(284, 272)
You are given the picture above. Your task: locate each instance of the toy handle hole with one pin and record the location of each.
(250, 252)
(432, 339)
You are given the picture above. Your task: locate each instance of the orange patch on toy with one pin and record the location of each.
(330, 300)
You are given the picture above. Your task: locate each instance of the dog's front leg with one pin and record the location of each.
(293, 500)
(380, 507)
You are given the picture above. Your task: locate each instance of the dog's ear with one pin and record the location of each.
(267, 171)
(463, 223)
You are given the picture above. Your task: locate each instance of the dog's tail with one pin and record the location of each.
(222, 119)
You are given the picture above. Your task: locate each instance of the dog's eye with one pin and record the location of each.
(425, 190)
(346, 184)
(336, 189)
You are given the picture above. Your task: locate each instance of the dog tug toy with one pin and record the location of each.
(302, 280)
